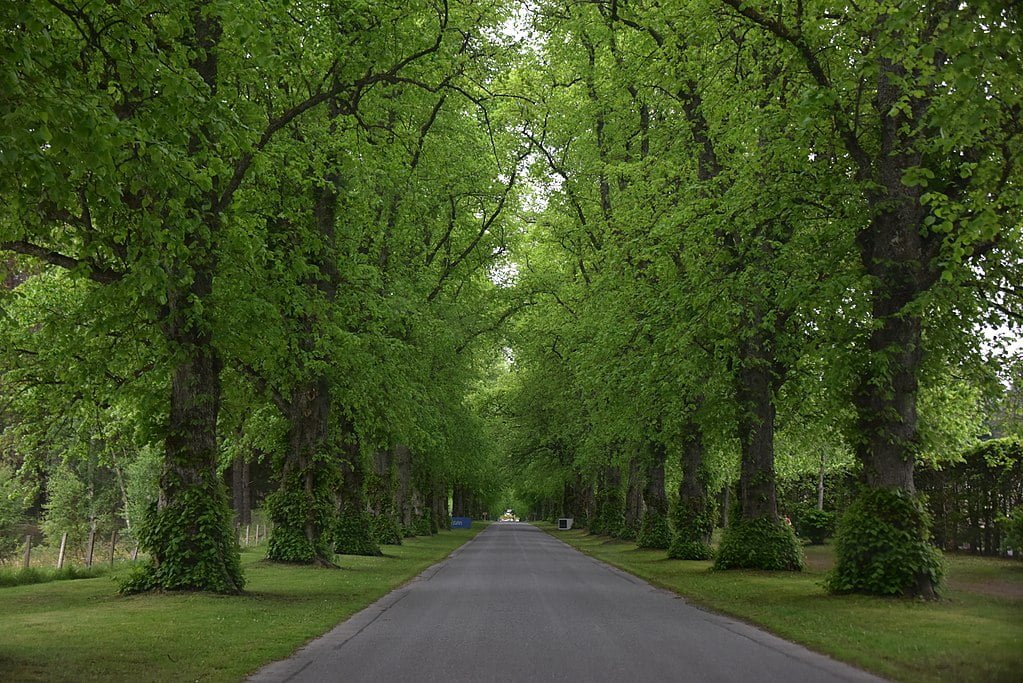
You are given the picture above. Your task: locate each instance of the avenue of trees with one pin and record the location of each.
(251, 230)
(774, 237)
(651, 265)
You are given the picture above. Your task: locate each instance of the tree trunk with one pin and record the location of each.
(899, 255)
(633, 499)
(458, 501)
(755, 393)
(655, 531)
(820, 486)
(191, 539)
(241, 490)
(302, 510)
(654, 495)
(404, 494)
(441, 514)
(694, 516)
(188, 552)
(354, 532)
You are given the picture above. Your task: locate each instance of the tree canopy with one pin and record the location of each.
(642, 264)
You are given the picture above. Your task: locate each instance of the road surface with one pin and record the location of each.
(515, 604)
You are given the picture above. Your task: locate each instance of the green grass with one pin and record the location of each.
(24, 577)
(84, 631)
(974, 633)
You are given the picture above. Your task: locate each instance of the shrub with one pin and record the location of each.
(815, 525)
(883, 547)
(694, 522)
(13, 503)
(1012, 532)
(386, 530)
(761, 543)
(290, 510)
(353, 534)
(610, 518)
(207, 559)
(654, 531)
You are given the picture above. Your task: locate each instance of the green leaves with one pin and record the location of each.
(883, 547)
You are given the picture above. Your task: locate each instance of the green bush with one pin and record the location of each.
(81, 497)
(192, 544)
(288, 511)
(883, 547)
(693, 522)
(815, 525)
(13, 503)
(353, 534)
(654, 531)
(1012, 532)
(610, 518)
(761, 543)
(386, 530)
(421, 525)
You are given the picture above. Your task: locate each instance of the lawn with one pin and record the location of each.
(974, 633)
(83, 630)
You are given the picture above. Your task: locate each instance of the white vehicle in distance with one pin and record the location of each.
(509, 516)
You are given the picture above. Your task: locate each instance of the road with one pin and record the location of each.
(515, 604)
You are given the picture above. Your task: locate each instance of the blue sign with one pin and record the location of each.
(461, 523)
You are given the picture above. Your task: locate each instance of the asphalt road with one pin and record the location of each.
(515, 604)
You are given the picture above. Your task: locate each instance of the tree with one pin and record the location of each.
(926, 125)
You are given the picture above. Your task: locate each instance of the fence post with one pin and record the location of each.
(63, 549)
(113, 545)
(247, 527)
(90, 547)
(28, 551)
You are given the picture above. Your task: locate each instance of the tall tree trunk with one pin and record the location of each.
(354, 532)
(383, 499)
(820, 484)
(755, 394)
(694, 514)
(633, 499)
(458, 501)
(191, 539)
(441, 515)
(301, 510)
(187, 551)
(758, 539)
(404, 490)
(900, 255)
(303, 507)
(610, 515)
(655, 531)
(241, 490)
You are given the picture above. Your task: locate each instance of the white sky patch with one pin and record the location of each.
(504, 273)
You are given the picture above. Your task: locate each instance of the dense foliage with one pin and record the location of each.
(966, 498)
(884, 547)
(634, 264)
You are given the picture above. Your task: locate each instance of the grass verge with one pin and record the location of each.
(84, 631)
(972, 634)
(31, 575)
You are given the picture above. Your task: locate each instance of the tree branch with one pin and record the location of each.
(104, 276)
